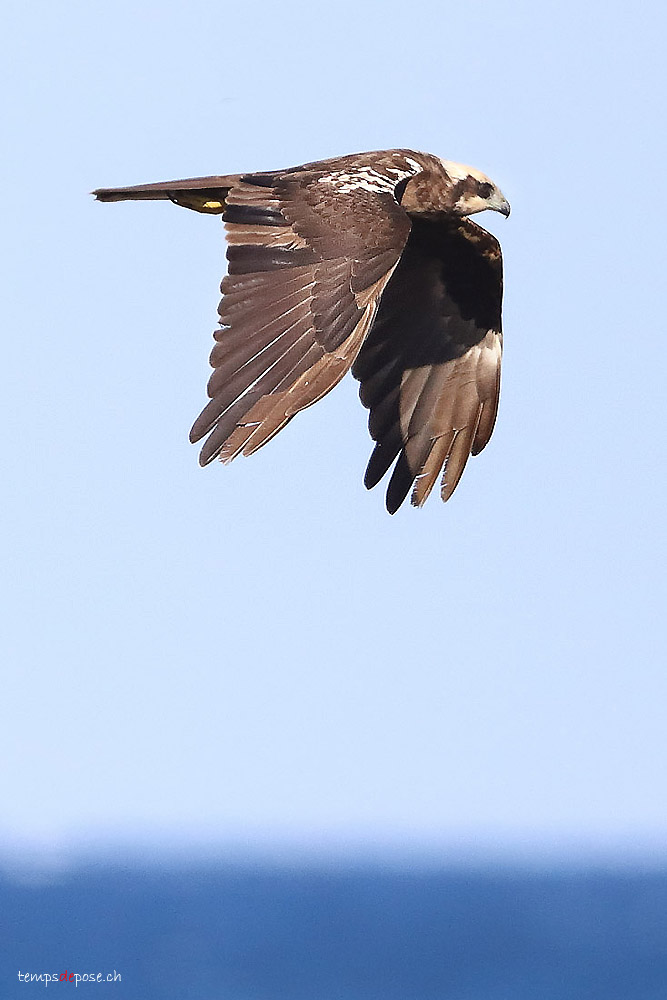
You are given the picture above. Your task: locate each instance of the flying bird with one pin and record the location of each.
(367, 262)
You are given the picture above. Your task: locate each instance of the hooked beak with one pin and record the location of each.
(498, 202)
(504, 208)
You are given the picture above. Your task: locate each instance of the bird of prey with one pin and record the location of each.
(368, 262)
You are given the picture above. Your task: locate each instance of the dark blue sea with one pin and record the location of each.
(259, 933)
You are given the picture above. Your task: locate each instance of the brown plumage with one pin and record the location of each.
(366, 262)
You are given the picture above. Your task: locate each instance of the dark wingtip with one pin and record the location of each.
(211, 448)
(381, 459)
(196, 434)
(400, 484)
(370, 480)
(207, 454)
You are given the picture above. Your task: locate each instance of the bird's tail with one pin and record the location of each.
(202, 194)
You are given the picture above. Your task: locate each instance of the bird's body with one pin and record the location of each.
(366, 262)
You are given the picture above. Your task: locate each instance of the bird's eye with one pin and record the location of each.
(484, 189)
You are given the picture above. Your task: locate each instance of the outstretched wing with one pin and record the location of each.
(310, 253)
(430, 367)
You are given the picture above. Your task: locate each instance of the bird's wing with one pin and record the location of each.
(430, 367)
(310, 253)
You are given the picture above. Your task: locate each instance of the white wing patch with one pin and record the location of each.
(414, 164)
(367, 179)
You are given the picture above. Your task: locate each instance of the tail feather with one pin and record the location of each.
(202, 194)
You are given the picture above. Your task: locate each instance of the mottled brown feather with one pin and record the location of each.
(298, 300)
(430, 368)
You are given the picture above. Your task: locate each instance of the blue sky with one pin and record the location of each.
(259, 653)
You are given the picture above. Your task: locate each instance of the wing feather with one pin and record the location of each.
(430, 368)
(307, 266)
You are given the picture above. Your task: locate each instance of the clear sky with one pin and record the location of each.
(260, 653)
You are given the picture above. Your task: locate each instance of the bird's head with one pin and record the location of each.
(452, 188)
(471, 191)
